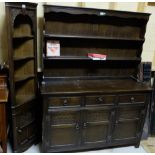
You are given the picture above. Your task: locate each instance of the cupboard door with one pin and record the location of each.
(128, 123)
(24, 126)
(96, 126)
(63, 130)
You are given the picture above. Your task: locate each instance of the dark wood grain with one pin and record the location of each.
(22, 49)
(91, 104)
(3, 111)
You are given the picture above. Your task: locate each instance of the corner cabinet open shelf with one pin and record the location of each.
(91, 104)
(21, 23)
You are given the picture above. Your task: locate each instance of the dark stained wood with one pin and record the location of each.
(74, 86)
(22, 49)
(151, 3)
(3, 112)
(93, 104)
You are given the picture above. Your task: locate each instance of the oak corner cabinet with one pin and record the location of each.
(22, 58)
(90, 104)
(3, 111)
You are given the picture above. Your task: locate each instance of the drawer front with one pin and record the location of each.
(64, 101)
(97, 100)
(132, 98)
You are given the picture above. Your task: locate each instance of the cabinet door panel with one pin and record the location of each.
(25, 134)
(128, 122)
(96, 125)
(125, 130)
(62, 129)
(64, 136)
(95, 133)
(98, 114)
(129, 112)
(64, 117)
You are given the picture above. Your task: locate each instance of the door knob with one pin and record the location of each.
(65, 102)
(77, 126)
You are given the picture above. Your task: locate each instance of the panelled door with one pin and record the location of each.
(63, 132)
(96, 126)
(128, 123)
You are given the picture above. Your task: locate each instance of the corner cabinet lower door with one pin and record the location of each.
(61, 130)
(24, 126)
(96, 126)
(128, 125)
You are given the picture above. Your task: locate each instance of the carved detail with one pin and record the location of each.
(16, 12)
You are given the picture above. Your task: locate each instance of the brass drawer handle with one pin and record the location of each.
(65, 102)
(132, 99)
(100, 99)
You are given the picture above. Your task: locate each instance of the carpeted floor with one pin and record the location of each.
(149, 145)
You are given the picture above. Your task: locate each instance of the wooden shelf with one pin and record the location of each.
(87, 58)
(23, 37)
(23, 58)
(92, 37)
(23, 78)
(21, 99)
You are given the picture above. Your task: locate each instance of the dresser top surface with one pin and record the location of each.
(76, 86)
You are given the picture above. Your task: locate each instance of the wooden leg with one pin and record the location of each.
(137, 145)
(4, 147)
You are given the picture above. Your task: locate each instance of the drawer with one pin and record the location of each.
(64, 101)
(103, 99)
(132, 98)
